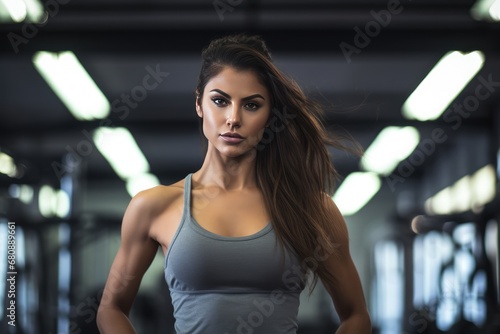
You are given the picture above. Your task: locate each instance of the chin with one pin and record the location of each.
(234, 152)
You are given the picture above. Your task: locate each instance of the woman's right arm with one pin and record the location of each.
(137, 251)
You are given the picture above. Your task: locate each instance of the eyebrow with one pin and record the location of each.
(244, 99)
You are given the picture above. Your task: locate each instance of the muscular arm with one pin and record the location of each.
(347, 292)
(133, 258)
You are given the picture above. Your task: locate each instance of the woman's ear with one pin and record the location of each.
(199, 111)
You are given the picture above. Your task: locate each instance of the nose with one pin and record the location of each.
(233, 117)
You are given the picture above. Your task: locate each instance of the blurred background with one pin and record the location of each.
(97, 103)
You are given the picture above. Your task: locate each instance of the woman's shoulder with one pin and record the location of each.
(156, 200)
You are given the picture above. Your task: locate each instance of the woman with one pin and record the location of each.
(242, 235)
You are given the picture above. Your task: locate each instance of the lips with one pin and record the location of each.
(232, 137)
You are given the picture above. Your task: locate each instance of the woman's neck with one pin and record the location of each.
(228, 173)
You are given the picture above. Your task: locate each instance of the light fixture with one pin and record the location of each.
(7, 165)
(442, 85)
(53, 202)
(483, 187)
(461, 194)
(47, 201)
(392, 145)
(356, 190)
(72, 84)
(471, 192)
(141, 182)
(16, 9)
(21, 10)
(120, 149)
(23, 192)
(486, 10)
(441, 202)
(35, 11)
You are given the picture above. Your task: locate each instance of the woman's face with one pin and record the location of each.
(234, 102)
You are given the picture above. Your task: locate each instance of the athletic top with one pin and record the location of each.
(231, 285)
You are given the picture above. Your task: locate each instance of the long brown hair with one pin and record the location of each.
(293, 166)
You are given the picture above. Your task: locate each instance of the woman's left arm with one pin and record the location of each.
(346, 292)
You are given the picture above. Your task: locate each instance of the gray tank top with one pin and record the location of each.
(231, 285)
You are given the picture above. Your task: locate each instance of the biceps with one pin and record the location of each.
(347, 292)
(131, 262)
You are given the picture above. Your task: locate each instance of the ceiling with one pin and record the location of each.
(117, 41)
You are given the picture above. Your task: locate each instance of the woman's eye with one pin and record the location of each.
(252, 106)
(218, 101)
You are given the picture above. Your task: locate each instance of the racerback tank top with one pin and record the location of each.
(231, 285)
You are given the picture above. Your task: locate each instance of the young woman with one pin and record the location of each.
(244, 233)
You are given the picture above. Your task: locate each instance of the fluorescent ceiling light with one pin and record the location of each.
(442, 85)
(23, 192)
(495, 11)
(35, 11)
(47, 201)
(356, 190)
(4, 15)
(486, 10)
(141, 182)
(392, 145)
(471, 192)
(483, 187)
(15, 8)
(119, 148)
(20, 10)
(461, 194)
(7, 165)
(72, 84)
(441, 203)
(53, 202)
(63, 206)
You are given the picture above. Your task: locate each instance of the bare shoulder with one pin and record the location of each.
(154, 201)
(148, 205)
